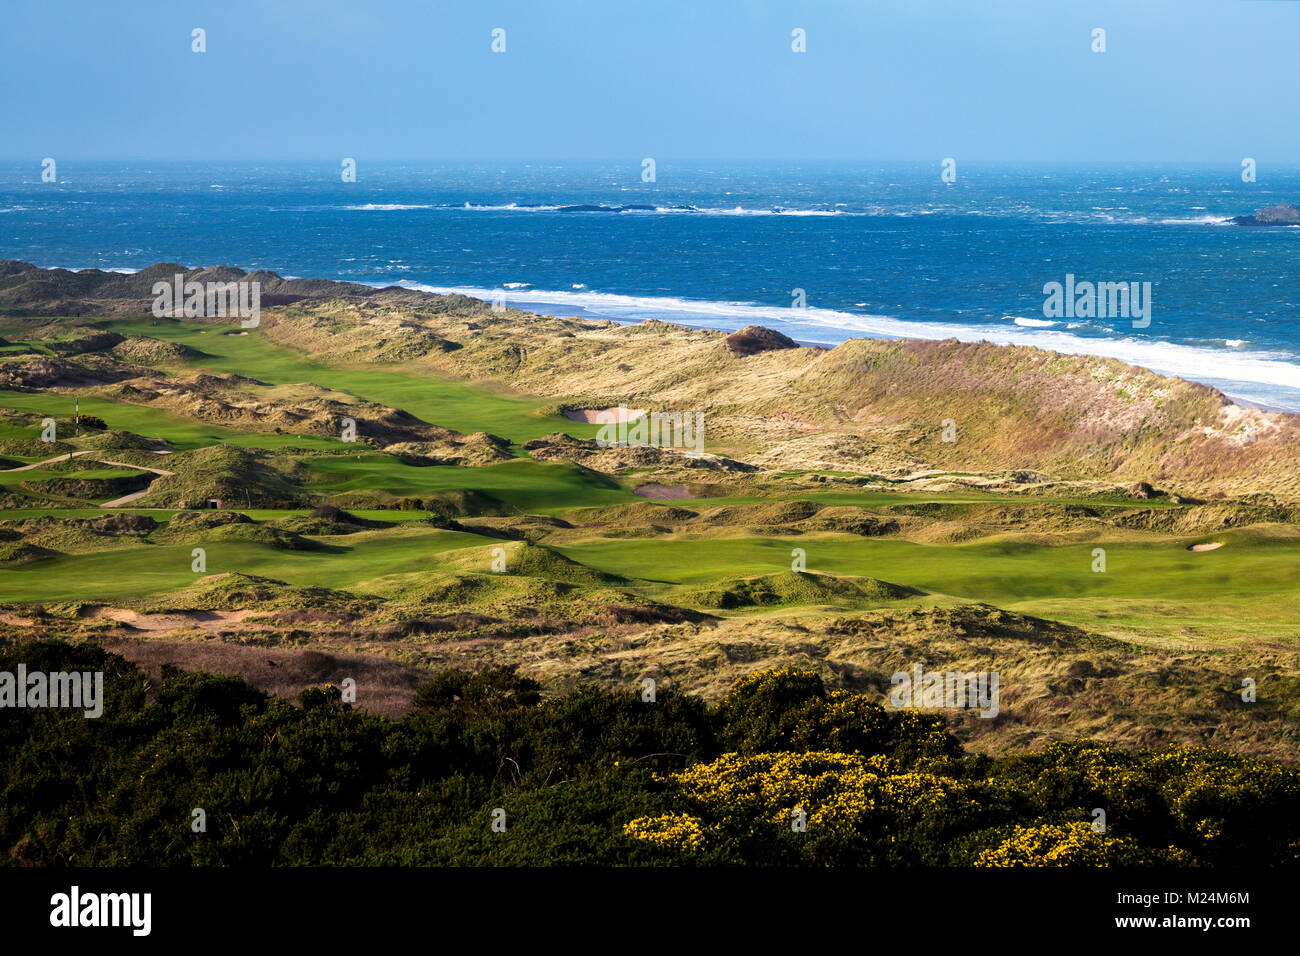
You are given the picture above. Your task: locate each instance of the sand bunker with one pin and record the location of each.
(1209, 546)
(608, 416)
(663, 491)
(166, 623)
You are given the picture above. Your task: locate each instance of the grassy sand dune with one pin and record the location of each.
(474, 522)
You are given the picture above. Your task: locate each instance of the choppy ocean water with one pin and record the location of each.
(876, 250)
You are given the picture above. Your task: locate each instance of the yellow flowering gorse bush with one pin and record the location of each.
(837, 792)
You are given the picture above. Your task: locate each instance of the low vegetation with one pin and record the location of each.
(1122, 549)
(206, 770)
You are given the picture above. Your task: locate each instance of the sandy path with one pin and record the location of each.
(116, 502)
(49, 461)
(77, 454)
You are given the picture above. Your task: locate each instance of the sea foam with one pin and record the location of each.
(1270, 378)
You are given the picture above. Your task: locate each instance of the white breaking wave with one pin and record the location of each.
(508, 207)
(385, 207)
(657, 210)
(1032, 323)
(1198, 221)
(1270, 378)
(1050, 216)
(776, 211)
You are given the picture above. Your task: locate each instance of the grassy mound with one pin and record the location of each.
(530, 528)
(790, 588)
(33, 447)
(477, 449)
(236, 591)
(200, 527)
(637, 516)
(849, 520)
(326, 520)
(14, 553)
(454, 503)
(76, 535)
(184, 522)
(754, 339)
(476, 605)
(249, 477)
(88, 488)
(143, 350)
(114, 439)
(764, 515)
(527, 560)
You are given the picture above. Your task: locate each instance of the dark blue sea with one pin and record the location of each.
(876, 250)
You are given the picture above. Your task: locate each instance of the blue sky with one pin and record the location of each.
(1182, 80)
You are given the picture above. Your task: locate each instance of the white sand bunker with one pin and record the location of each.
(604, 416)
(663, 491)
(1209, 546)
(165, 623)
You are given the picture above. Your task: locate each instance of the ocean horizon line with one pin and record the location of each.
(1230, 163)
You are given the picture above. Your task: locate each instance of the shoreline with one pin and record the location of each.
(767, 315)
(1164, 358)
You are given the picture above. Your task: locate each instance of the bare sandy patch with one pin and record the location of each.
(1243, 424)
(604, 416)
(207, 621)
(385, 687)
(675, 492)
(1208, 546)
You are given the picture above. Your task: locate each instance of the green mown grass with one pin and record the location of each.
(164, 514)
(462, 407)
(151, 422)
(43, 474)
(1151, 586)
(1148, 587)
(1248, 582)
(139, 570)
(523, 484)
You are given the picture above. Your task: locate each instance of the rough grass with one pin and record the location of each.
(791, 588)
(969, 555)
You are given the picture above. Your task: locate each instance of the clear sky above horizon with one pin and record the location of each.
(1181, 80)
